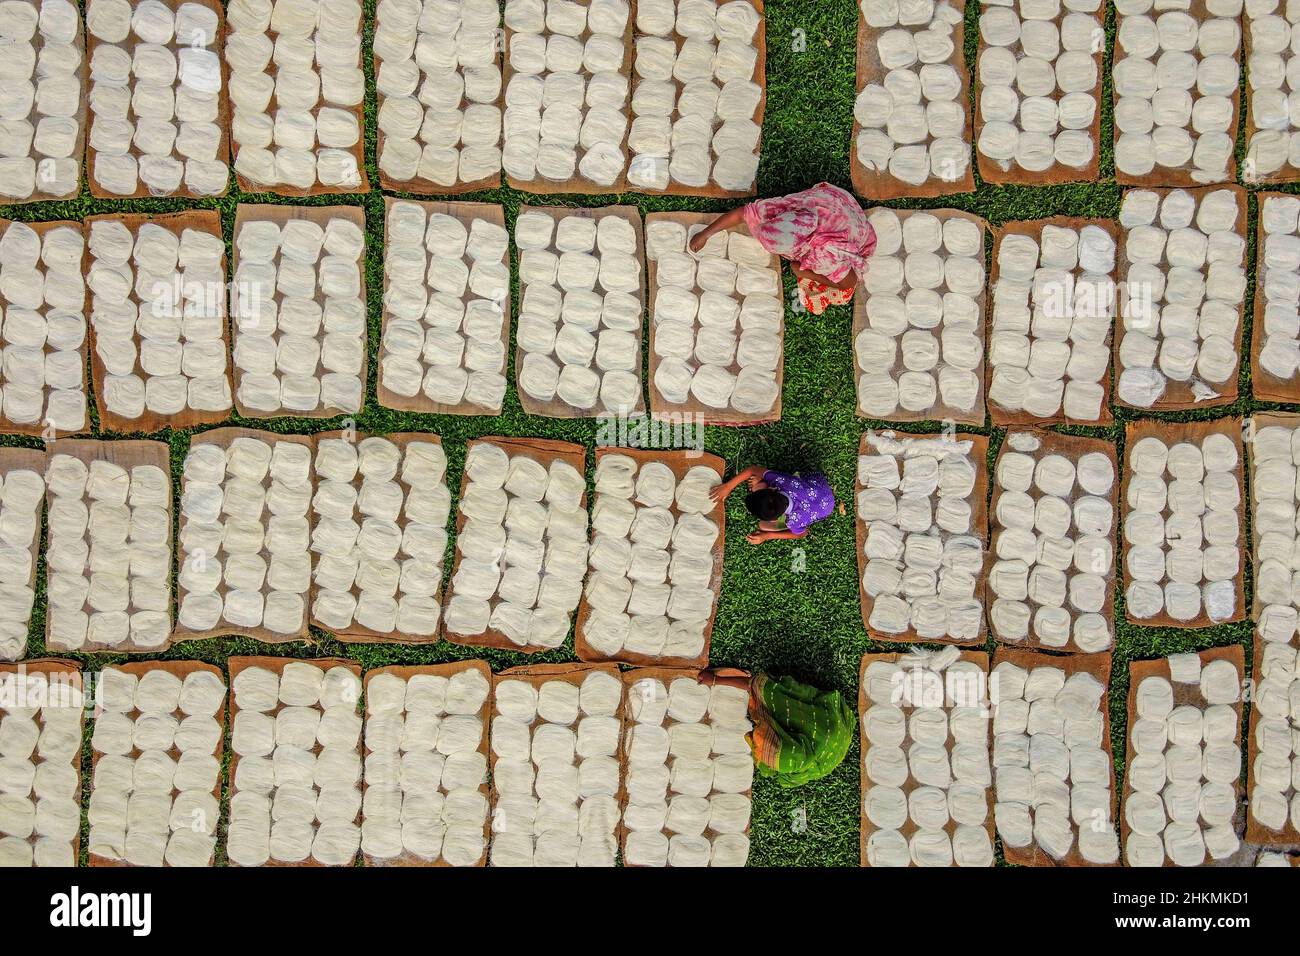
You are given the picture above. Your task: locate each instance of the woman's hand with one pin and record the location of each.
(718, 493)
(698, 240)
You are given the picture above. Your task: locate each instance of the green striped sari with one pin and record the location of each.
(800, 733)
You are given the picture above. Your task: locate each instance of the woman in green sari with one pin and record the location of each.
(800, 733)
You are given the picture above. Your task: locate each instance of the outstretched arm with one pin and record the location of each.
(753, 475)
(758, 537)
(725, 221)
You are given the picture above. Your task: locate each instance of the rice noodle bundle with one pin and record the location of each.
(306, 58)
(1054, 783)
(157, 99)
(926, 762)
(582, 298)
(717, 323)
(299, 329)
(43, 297)
(245, 539)
(156, 749)
(42, 136)
(446, 306)
(1053, 311)
(379, 519)
(439, 86)
(1180, 794)
(689, 774)
(296, 781)
(172, 357)
(42, 714)
(108, 555)
(522, 548)
(910, 117)
(425, 767)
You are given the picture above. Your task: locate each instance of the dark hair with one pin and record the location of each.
(766, 504)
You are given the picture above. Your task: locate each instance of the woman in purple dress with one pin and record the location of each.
(784, 504)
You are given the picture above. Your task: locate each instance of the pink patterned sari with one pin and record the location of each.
(822, 230)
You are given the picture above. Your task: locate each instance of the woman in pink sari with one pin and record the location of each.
(822, 231)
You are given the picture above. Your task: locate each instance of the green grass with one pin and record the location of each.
(787, 607)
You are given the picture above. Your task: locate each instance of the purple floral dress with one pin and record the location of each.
(811, 498)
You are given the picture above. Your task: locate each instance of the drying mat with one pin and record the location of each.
(1139, 671)
(1098, 665)
(1171, 433)
(1287, 173)
(759, 77)
(1266, 386)
(558, 407)
(201, 220)
(543, 451)
(692, 408)
(321, 215)
(577, 182)
(180, 669)
(357, 633)
(1072, 447)
(1034, 229)
(39, 429)
(991, 171)
(277, 664)
(69, 676)
(1257, 423)
(1178, 395)
(30, 459)
(406, 858)
(1182, 175)
(426, 187)
(222, 438)
(358, 149)
(865, 827)
(978, 498)
(666, 676)
(1257, 832)
(880, 186)
(83, 114)
(222, 121)
(537, 675)
(466, 213)
(939, 411)
(680, 462)
(125, 454)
